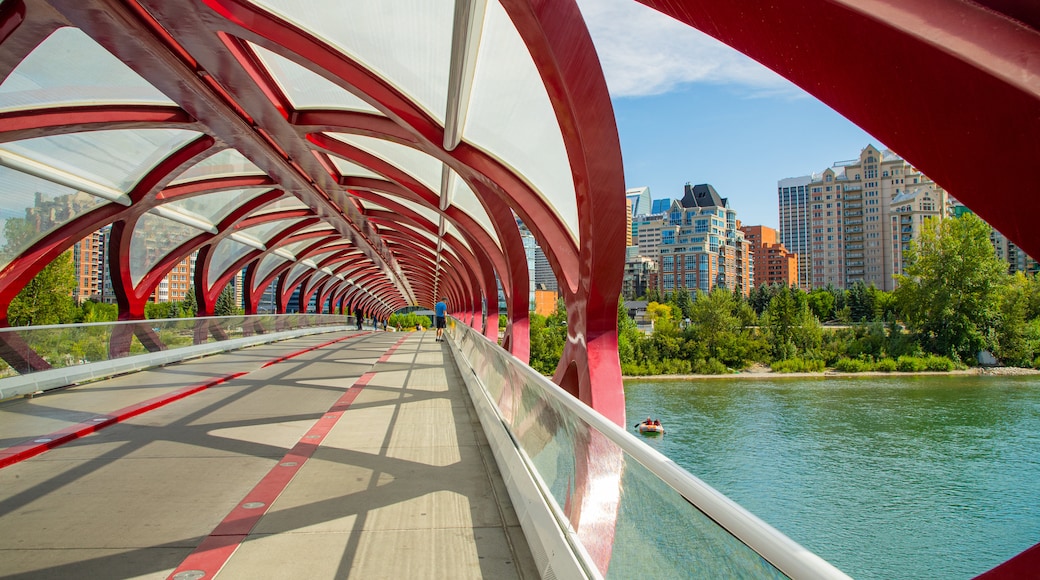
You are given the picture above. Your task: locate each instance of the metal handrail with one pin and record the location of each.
(779, 550)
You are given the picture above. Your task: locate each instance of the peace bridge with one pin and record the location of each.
(376, 156)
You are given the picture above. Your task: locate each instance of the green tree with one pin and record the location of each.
(190, 306)
(225, 305)
(91, 311)
(821, 302)
(949, 296)
(47, 298)
(1014, 338)
(628, 335)
(714, 321)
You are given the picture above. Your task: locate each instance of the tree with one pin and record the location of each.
(225, 305)
(949, 296)
(190, 306)
(656, 312)
(714, 322)
(1015, 338)
(821, 302)
(47, 298)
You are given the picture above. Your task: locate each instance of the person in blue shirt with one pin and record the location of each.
(440, 312)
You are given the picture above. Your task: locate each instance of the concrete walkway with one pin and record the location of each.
(359, 459)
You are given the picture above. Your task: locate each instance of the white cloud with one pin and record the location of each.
(644, 52)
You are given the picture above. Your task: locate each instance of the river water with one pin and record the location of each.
(884, 477)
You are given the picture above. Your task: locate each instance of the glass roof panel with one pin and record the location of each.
(322, 255)
(422, 233)
(511, 117)
(214, 207)
(318, 227)
(267, 265)
(263, 232)
(455, 232)
(154, 237)
(431, 215)
(225, 163)
(351, 169)
(87, 75)
(296, 247)
(463, 198)
(117, 159)
(407, 42)
(285, 203)
(297, 271)
(306, 89)
(225, 254)
(31, 207)
(419, 165)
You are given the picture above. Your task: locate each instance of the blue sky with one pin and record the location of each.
(690, 109)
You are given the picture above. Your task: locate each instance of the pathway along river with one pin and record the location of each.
(884, 477)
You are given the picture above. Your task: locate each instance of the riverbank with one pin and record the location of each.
(764, 372)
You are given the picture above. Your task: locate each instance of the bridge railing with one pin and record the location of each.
(36, 358)
(595, 501)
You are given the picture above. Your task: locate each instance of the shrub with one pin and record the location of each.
(712, 366)
(797, 365)
(910, 364)
(938, 363)
(885, 365)
(853, 365)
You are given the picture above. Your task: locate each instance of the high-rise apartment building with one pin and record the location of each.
(772, 262)
(851, 222)
(89, 259)
(702, 248)
(909, 210)
(175, 285)
(1018, 260)
(796, 224)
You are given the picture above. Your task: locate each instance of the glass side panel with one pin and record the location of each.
(118, 158)
(306, 89)
(68, 345)
(153, 238)
(265, 231)
(657, 532)
(413, 162)
(351, 169)
(87, 75)
(268, 265)
(465, 199)
(511, 117)
(226, 163)
(214, 207)
(31, 207)
(225, 254)
(407, 42)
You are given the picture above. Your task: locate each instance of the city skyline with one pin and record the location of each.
(690, 109)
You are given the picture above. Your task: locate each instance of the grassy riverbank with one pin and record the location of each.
(764, 372)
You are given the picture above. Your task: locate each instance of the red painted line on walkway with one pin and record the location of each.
(391, 350)
(38, 445)
(306, 350)
(216, 549)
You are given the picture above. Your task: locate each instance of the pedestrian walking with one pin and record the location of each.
(440, 312)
